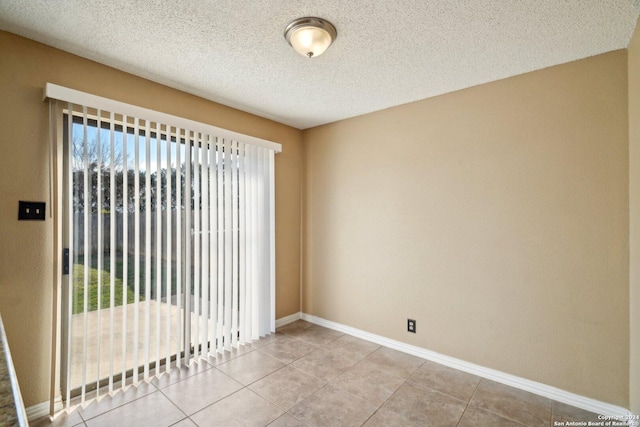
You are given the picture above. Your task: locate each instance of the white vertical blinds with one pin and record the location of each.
(170, 228)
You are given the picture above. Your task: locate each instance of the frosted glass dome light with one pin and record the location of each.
(310, 37)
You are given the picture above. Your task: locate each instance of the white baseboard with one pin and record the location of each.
(540, 389)
(288, 319)
(39, 410)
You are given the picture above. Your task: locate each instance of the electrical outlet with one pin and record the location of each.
(411, 326)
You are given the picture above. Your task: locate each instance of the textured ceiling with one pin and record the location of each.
(387, 52)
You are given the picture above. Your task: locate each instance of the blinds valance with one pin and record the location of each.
(61, 93)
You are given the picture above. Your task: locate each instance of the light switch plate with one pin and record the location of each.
(31, 211)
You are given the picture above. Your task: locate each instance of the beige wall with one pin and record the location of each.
(634, 220)
(26, 247)
(496, 216)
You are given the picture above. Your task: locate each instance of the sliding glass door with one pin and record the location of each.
(169, 240)
(125, 217)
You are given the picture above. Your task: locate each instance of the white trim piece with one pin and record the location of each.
(540, 389)
(70, 243)
(57, 189)
(16, 396)
(288, 319)
(41, 409)
(62, 93)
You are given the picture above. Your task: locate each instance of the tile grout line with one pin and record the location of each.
(290, 364)
(181, 420)
(394, 392)
(492, 412)
(174, 404)
(330, 382)
(468, 402)
(211, 404)
(317, 391)
(121, 405)
(385, 401)
(81, 417)
(243, 385)
(327, 383)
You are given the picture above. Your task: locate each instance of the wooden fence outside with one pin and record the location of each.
(79, 237)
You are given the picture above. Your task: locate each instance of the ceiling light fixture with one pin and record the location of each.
(310, 37)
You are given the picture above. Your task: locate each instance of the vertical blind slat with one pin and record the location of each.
(158, 245)
(125, 243)
(188, 238)
(260, 248)
(255, 291)
(205, 246)
(213, 242)
(220, 230)
(112, 244)
(249, 244)
(87, 255)
(234, 241)
(227, 245)
(100, 244)
(179, 245)
(242, 241)
(147, 250)
(137, 207)
(196, 245)
(169, 230)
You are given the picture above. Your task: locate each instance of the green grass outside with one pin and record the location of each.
(78, 281)
(92, 290)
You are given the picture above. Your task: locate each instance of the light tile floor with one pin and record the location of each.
(307, 375)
